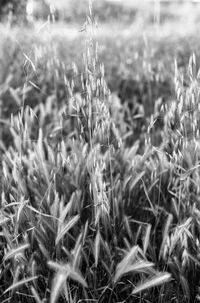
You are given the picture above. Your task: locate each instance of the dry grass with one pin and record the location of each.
(91, 210)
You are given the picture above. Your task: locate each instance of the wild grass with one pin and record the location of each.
(91, 208)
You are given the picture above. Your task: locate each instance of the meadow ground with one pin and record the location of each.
(100, 159)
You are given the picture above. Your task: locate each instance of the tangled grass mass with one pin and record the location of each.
(100, 173)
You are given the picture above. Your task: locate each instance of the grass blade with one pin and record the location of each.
(19, 284)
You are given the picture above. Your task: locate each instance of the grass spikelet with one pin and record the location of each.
(58, 282)
(123, 266)
(154, 282)
(17, 251)
(65, 228)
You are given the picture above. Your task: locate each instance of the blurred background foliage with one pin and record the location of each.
(138, 42)
(104, 10)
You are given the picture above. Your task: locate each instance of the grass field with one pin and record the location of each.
(99, 174)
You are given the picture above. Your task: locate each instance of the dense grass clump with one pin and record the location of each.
(99, 190)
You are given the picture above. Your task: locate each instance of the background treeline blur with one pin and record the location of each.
(20, 11)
